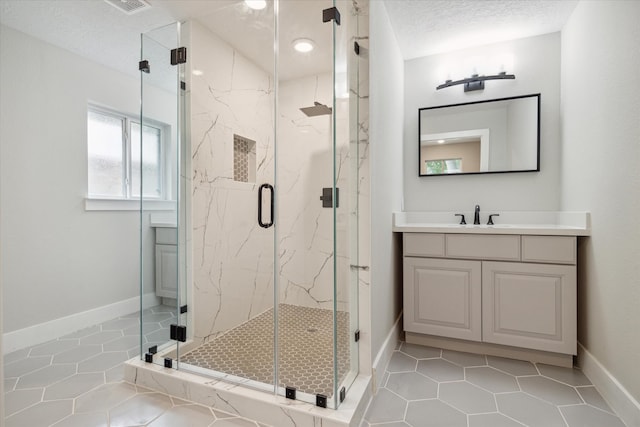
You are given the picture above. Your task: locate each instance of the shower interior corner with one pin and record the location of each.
(258, 270)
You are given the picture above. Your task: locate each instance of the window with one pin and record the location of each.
(114, 156)
(435, 167)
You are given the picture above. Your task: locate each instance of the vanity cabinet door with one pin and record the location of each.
(530, 305)
(167, 271)
(443, 297)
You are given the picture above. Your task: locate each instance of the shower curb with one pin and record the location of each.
(259, 406)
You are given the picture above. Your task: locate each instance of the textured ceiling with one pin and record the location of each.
(98, 31)
(427, 27)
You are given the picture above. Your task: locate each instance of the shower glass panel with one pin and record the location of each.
(315, 329)
(156, 142)
(262, 194)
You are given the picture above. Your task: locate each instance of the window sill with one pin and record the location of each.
(91, 204)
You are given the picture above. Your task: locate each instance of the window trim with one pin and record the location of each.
(127, 200)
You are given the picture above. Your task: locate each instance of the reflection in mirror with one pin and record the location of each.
(499, 135)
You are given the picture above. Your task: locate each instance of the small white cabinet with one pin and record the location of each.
(529, 305)
(166, 260)
(509, 290)
(443, 297)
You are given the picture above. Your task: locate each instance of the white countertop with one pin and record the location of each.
(162, 220)
(534, 223)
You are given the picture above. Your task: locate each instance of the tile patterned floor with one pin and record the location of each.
(306, 349)
(429, 387)
(76, 381)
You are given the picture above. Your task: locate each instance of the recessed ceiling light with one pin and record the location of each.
(303, 45)
(441, 141)
(197, 72)
(256, 4)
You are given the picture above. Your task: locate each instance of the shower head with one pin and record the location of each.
(317, 110)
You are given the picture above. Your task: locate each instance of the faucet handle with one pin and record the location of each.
(462, 221)
(490, 222)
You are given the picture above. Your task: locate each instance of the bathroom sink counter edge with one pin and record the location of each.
(516, 222)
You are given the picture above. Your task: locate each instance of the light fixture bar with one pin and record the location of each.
(476, 82)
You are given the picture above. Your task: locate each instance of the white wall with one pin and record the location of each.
(537, 70)
(601, 174)
(57, 258)
(386, 118)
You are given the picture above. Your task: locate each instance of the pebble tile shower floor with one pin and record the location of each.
(305, 353)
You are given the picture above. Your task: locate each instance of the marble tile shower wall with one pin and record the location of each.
(305, 166)
(232, 261)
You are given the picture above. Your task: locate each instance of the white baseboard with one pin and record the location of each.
(620, 400)
(57, 328)
(384, 355)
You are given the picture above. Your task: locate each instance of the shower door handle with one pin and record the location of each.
(260, 191)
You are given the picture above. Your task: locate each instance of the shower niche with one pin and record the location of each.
(270, 305)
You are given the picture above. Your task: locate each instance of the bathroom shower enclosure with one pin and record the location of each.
(252, 275)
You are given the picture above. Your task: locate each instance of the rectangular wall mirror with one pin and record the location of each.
(493, 136)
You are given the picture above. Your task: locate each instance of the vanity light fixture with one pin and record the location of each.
(476, 82)
(256, 4)
(303, 45)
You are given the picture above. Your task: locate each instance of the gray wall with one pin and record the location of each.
(387, 112)
(57, 258)
(601, 174)
(537, 70)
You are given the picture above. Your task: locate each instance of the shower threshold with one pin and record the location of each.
(246, 401)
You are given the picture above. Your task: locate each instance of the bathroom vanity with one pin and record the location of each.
(508, 290)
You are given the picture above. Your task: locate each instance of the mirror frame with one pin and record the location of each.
(537, 169)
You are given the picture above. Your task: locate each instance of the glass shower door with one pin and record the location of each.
(232, 190)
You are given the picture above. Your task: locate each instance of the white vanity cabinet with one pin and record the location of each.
(507, 290)
(166, 260)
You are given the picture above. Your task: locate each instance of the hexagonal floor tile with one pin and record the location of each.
(464, 359)
(42, 414)
(46, 376)
(440, 370)
(491, 420)
(400, 362)
(549, 390)
(412, 386)
(198, 416)
(420, 351)
(587, 416)
(491, 379)
(386, 407)
(467, 397)
(139, 410)
(529, 410)
(571, 376)
(434, 413)
(512, 366)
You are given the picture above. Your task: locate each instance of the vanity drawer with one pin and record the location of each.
(423, 244)
(166, 236)
(483, 246)
(550, 249)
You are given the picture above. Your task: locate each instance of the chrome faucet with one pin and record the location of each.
(476, 216)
